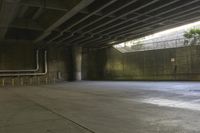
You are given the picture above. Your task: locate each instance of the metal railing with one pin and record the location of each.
(175, 43)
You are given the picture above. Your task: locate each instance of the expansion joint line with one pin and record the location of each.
(54, 112)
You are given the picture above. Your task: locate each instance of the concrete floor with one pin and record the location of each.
(102, 107)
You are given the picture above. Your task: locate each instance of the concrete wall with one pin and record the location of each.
(110, 64)
(22, 56)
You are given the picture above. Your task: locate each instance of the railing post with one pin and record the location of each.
(3, 82)
(46, 80)
(21, 81)
(13, 82)
(38, 80)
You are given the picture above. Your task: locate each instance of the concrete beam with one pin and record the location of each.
(142, 26)
(83, 19)
(103, 43)
(26, 24)
(7, 14)
(68, 15)
(23, 11)
(38, 13)
(49, 4)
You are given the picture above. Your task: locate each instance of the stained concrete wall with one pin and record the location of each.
(22, 56)
(110, 64)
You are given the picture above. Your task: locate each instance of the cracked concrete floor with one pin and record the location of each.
(101, 107)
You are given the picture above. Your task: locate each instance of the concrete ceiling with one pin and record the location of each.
(91, 23)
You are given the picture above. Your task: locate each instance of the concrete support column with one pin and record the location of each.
(77, 63)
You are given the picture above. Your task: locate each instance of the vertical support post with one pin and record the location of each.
(77, 63)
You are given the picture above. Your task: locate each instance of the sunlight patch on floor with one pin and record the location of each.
(173, 103)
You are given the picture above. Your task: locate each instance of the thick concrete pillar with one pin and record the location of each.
(77, 63)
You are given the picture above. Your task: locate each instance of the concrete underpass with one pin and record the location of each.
(99, 66)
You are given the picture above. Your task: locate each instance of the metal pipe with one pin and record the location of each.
(30, 70)
(30, 74)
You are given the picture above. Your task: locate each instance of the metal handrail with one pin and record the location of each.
(174, 43)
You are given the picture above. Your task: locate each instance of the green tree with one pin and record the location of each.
(193, 35)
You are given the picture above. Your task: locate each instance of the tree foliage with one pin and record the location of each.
(193, 33)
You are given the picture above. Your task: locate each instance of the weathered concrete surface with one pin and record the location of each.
(103, 107)
(14, 56)
(110, 64)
